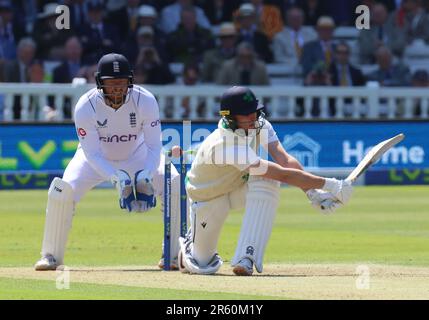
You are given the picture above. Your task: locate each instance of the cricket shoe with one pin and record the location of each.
(47, 262)
(173, 265)
(244, 267)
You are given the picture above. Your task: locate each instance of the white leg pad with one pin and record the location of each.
(59, 215)
(261, 205)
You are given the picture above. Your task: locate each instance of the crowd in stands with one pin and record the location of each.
(218, 41)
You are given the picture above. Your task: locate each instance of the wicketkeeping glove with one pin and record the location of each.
(122, 182)
(145, 193)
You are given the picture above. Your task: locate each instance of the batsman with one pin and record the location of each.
(119, 133)
(227, 173)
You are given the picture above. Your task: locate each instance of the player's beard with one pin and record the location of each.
(115, 100)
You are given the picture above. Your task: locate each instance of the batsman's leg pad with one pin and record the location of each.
(261, 205)
(59, 215)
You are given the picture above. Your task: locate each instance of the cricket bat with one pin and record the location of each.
(371, 157)
(374, 155)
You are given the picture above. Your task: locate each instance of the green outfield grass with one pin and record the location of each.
(383, 225)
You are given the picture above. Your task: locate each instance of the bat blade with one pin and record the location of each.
(374, 155)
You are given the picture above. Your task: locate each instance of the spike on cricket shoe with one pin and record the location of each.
(174, 266)
(47, 262)
(244, 267)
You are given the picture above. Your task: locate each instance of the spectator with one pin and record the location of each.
(343, 12)
(342, 72)
(97, 37)
(36, 74)
(189, 41)
(246, 21)
(288, 44)
(171, 16)
(417, 21)
(149, 68)
(18, 70)
(50, 40)
(147, 16)
(285, 5)
(391, 5)
(318, 76)
(378, 35)
(320, 50)
(219, 11)
(122, 14)
(244, 69)
(403, 23)
(2, 72)
(269, 18)
(313, 9)
(191, 77)
(420, 79)
(213, 59)
(27, 16)
(78, 12)
(144, 37)
(133, 15)
(69, 69)
(389, 74)
(88, 73)
(72, 64)
(10, 31)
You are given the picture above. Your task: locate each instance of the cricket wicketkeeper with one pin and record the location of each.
(120, 141)
(227, 173)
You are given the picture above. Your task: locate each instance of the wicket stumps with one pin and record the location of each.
(167, 205)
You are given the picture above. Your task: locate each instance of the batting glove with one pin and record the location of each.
(122, 182)
(341, 189)
(323, 201)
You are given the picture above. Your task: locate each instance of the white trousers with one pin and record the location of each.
(207, 219)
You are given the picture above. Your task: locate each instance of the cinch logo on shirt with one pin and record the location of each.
(155, 123)
(116, 138)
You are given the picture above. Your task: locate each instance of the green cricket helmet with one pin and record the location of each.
(240, 100)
